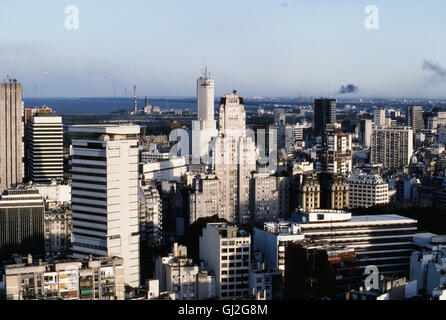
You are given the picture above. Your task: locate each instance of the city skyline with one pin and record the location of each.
(275, 48)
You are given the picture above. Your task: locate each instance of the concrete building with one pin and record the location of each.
(381, 240)
(177, 273)
(283, 187)
(104, 194)
(203, 199)
(367, 190)
(45, 148)
(334, 191)
(150, 216)
(272, 239)
(414, 118)
(365, 132)
(226, 251)
(324, 113)
(68, 279)
(54, 192)
(379, 117)
(264, 281)
(154, 153)
(264, 198)
(57, 231)
(391, 147)
(428, 267)
(21, 222)
(167, 170)
(305, 187)
(205, 127)
(334, 150)
(234, 159)
(11, 141)
(206, 285)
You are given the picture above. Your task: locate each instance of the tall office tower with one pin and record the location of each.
(29, 113)
(379, 117)
(279, 117)
(391, 147)
(205, 127)
(234, 159)
(45, 148)
(104, 194)
(11, 140)
(264, 197)
(365, 132)
(22, 223)
(203, 198)
(324, 113)
(334, 150)
(226, 250)
(414, 117)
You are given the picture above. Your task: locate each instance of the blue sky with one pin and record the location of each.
(259, 47)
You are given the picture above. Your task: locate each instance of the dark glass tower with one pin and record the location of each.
(324, 113)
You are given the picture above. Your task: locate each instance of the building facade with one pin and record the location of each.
(45, 148)
(104, 194)
(11, 141)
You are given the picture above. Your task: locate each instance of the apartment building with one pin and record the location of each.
(226, 251)
(391, 146)
(367, 190)
(101, 278)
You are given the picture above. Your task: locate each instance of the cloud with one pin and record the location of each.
(349, 88)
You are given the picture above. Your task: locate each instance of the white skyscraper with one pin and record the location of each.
(234, 159)
(45, 148)
(104, 194)
(205, 128)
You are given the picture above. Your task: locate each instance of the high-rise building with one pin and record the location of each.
(414, 117)
(104, 194)
(29, 113)
(234, 159)
(11, 140)
(391, 146)
(334, 150)
(226, 250)
(367, 190)
(379, 117)
(45, 148)
(22, 223)
(203, 199)
(264, 198)
(324, 113)
(365, 132)
(150, 216)
(205, 127)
